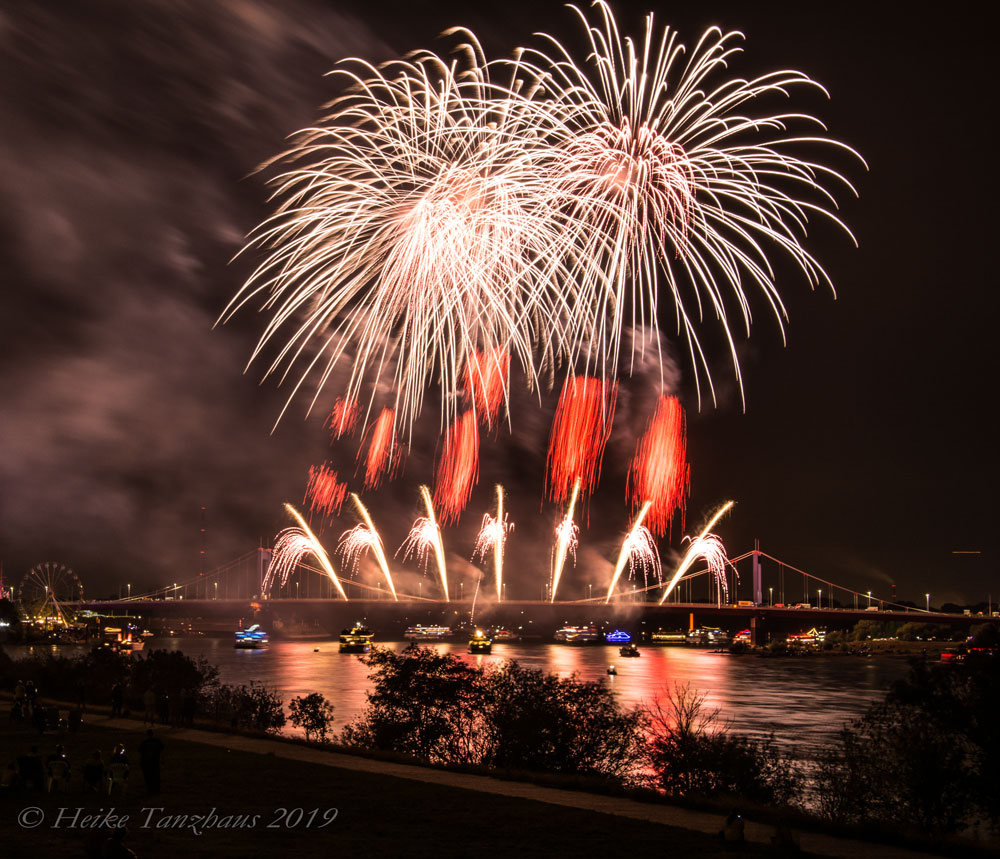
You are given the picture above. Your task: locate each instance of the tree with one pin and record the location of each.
(314, 714)
(692, 753)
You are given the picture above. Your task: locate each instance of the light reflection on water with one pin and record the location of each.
(804, 700)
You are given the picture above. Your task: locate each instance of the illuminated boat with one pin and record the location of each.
(480, 642)
(501, 633)
(251, 638)
(629, 650)
(619, 636)
(427, 633)
(357, 639)
(577, 635)
(708, 636)
(677, 637)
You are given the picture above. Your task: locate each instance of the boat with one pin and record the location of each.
(427, 633)
(619, 636)
(480, 642)
(708, 636)
(669, 638)
(251, 638)
(357, 639)
(612, 670)
(629, 650)
(577, 635)
(501, 633)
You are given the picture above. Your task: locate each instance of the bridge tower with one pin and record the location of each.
(758, 589)
(263, 562)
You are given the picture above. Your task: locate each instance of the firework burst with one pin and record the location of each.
(486, 383)
(290, 547)
(567, 537)
(324, 491)
(638, 551)
(458, 470)
(384, 450)
(412, 232)
(706, 546)
(671, 186)
(364, 538)
(659, 470)
(425, 538)
(492, 536)
(343, 417)
(580, 430)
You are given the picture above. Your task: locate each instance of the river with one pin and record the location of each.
(803, 700)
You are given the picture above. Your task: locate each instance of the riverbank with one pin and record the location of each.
(248, 791)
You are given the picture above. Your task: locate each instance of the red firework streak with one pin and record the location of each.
(384, 451)
(580, 430)
(660, 472)
(324, 492)
(458, 470)
(486, 381)
(344, 417)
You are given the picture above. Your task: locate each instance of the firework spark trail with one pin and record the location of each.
(659, 471)
(361, 538)
(324, 492)
(384, 451)
(492, 536)
(415, 227)
(669, 184)
(343, 417)
(580, 430)
(458, 470)
(486, 383)
(697, 549)
(567, 537)
(638, 549)
(425, 537)
(293, 544)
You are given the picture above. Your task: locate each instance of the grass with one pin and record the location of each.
(376, 815)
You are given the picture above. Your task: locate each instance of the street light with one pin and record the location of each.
(216, 590)
(129, 586)
(820, 592)
(770, 597)
(869, 599)
(928, 598)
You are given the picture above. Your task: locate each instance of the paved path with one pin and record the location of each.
(698, 821)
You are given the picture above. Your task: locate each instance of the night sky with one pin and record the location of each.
(129, 133)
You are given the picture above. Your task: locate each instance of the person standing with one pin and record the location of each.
(150, 750)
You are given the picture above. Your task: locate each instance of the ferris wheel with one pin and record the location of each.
(47, 588)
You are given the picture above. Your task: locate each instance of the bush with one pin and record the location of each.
(438, 708)
(692, 754)
(255, 707)
(925, 757)
(314, 714)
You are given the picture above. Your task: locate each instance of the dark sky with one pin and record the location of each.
(128, 133)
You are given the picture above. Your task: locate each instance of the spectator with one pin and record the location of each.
(188, 707)
(93, 773)
(30, 770)
(38, 718)
(113, 847)
(149, 705)
(19, 692)
(117, 699)
(150, 750)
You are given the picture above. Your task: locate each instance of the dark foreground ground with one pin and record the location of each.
(376, 815)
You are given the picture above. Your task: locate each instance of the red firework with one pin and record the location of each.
(486, 382)
(580, 430)
(324, 493)
(458, 470)
(384, 451)
(660, 472)
(344, 417)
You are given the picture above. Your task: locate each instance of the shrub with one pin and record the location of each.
(692, 754)
(255, 707)
(314, 714)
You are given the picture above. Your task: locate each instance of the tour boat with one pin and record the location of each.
(577, 635)
(619, 636)
(427, 633)
(357, 639)
(251, 638)
(629, 650)
(480, 642)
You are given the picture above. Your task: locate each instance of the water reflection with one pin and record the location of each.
(804, 701)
